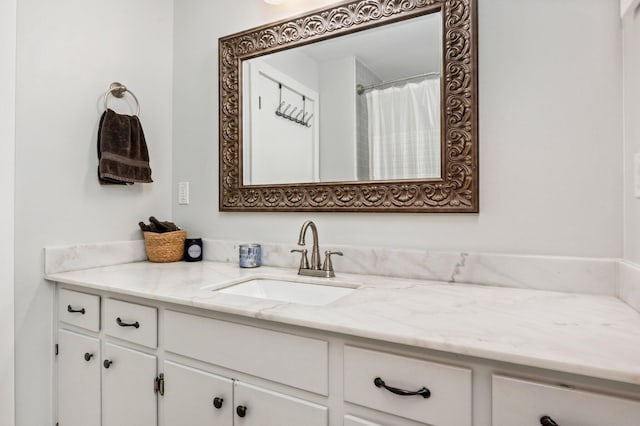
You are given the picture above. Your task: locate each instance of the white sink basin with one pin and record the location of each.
(288, 291)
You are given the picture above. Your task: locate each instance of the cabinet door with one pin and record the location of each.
(261, 407)
(128, 395)
(78, 380)
(196, 398)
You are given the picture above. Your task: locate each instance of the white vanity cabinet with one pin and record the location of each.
(128, 374)
(196, 397)
(79, 359)
(78, 379)
(193, 397)
(216, 369)
(103, 382)
(128, 395)
(294, 361)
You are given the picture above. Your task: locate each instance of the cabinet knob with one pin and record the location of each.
(241, 410)
(547, 421)
(107, 363)
(88, 356)
(217, 402)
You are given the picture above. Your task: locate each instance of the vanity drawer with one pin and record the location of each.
(525, 403)
(79, 309)
(355, 421)
(296, 361)
(132, 322)
(449, 403)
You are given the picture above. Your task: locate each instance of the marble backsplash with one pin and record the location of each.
(567, 274)
(629, 284)
(92, 255)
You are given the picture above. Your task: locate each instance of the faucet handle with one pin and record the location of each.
(304, 260)
(328, 265)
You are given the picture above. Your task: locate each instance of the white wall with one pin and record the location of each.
(550, 132)
(338, 120)
(631, 84)
(68, 53)
(7, 165)
(627, 5)
(296, 65)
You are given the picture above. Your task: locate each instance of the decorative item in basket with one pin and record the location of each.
(163, 241)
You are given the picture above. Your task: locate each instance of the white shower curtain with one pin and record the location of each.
(404, 131)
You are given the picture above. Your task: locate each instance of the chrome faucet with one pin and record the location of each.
(315, 251)
(314, 268)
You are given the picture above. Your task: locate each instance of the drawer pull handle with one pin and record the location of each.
(107, 363)
(125, 324)
(424, 392)
(75, 311)
(88, 356)
(547, 421)
(217, 402)
(241, 410)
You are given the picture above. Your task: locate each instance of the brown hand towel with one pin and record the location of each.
(122, 150)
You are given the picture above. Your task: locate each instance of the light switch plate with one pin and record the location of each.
(183, 193)
(636, 175)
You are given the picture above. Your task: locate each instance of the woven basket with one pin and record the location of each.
(165, 247)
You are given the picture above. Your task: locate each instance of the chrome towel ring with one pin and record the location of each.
(118, 90)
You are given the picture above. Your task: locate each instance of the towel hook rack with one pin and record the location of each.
(301, 117)
(118, 90)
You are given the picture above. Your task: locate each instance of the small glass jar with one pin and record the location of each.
(250, 255)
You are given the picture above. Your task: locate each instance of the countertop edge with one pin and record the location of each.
(583, 369)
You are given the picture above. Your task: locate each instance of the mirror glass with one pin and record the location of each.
(361, 107)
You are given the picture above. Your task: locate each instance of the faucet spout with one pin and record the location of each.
(315, 252)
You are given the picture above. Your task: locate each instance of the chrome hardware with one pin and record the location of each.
(118, 90)
(304, 260)
(360, 89)
(315, 251)
(302, 117)
(328, 265)
(314, 268)
(158, 384)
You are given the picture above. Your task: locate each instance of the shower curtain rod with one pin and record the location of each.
(360, 89)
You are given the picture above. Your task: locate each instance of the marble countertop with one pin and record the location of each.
(592, 335)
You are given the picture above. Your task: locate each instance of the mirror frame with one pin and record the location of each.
(457, 189)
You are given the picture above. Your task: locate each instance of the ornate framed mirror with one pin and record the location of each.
(363, 106)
